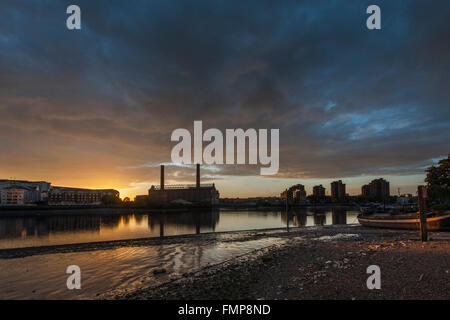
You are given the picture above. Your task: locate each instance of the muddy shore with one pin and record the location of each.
(326, 262)
(321, 263)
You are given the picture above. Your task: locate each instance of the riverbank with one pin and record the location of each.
(326, 262)
(320, 263)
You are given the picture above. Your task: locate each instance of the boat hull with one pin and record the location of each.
(438, 223)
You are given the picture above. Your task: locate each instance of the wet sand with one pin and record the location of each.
(321, 263)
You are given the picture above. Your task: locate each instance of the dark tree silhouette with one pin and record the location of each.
(438, 180)
(110, 200)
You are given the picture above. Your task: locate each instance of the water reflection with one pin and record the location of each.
(37, 230)
(197, 221)
(302, 217)
(121, 268)
(339, 216)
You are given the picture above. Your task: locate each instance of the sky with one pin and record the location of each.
(96, 107)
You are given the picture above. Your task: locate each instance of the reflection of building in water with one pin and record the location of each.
(296, 215)
(299, 219)
(205, 194)
(295, 194)
(11, 228)
(198, 220)
(85, 222)
(299, 216)
(320, 218)
(339, 215)
(30, 226)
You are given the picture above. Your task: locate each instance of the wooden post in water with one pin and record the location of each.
(162, 222)
(287, 212)
(422, 201)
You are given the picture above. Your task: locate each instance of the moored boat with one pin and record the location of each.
(435, 222)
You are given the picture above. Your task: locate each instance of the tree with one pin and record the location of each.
(110, 200)
(126, 199)
(438, 180)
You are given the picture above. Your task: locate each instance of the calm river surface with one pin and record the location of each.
(46, 229)
(44, 276)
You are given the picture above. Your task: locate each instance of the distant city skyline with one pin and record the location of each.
(353, 185)
(95, 107)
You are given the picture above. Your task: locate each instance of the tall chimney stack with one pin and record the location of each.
(162, 177)
(198, 175)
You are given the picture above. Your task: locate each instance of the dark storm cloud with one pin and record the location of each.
(348, 101)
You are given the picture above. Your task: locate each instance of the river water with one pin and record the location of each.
(44, 276)
(76, 227)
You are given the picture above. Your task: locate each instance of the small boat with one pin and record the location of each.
(406, 208)
(434, 222)
(369, 208)
(372, 208)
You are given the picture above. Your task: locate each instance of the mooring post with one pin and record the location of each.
(162, 223)
(287, 212)
(422, 200)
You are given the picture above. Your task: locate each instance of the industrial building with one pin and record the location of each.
(204, 194)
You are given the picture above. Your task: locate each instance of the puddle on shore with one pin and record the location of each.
(44, 276)
(339, 236)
